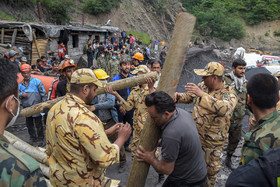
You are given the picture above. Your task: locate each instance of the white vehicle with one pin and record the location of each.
(252, 59)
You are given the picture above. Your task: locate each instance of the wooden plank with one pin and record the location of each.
(36, 44)
(2, 35)
(42, 45)
(116, 85)
(12, 30)
(173, 66)
(14, 37)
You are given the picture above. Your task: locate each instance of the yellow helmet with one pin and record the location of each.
(100, 74)
(138, 56)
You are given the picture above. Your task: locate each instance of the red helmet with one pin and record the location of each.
(68, 63)
(25, 67)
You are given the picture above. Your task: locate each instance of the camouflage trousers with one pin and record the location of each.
(213, 162)
(234, 135)
(135, 141)
(113, 138)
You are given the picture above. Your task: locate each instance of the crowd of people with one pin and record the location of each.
(86, 133)
(113, 50)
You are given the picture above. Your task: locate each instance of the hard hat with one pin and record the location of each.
(138, 56)
(68, 63)
(25, 67)
(100, 74)
(23, 59)
(67, 57)
(12, 53)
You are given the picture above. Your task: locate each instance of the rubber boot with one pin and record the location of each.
(228, 161)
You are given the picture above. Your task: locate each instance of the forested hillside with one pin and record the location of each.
(224, 18)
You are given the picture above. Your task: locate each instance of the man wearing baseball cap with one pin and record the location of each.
(214, 102)
(78, 149)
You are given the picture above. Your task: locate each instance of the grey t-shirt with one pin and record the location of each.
(181, 144)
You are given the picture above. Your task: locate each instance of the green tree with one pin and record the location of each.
(59, 10)
(223, 18)
(100, 6)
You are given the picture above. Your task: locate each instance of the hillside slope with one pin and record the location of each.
(260, 35)
(138, 15)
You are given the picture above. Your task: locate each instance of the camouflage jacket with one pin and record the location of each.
(265, 136)
(18, 168)
(78, 149)
(136, 100)
(113, 68)
(241, 108)
(126, 56)
(52, 73)
(212, 113)
(102, 63)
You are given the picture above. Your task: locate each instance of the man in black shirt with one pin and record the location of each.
(67, 69)
(182, 156)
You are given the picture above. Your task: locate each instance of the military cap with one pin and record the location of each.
(212, 68)
(140, 68)
(277, 74)
(83, 76)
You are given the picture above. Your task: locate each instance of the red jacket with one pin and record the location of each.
(61, 52)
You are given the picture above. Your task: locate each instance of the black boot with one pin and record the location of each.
(160, 180)
(228, 161)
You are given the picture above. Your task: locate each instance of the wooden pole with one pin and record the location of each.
(13, 42)
(116, 85)
(40, 12)
(170, 76)
(83, 20)
(26, 148)
(2, 34)
(36, 44)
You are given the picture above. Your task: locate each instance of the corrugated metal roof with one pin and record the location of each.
(54, 30)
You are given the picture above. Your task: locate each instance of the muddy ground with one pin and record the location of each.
(197, 58)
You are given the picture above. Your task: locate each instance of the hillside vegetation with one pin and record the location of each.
(224, 18)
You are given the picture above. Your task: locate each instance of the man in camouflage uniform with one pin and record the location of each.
(136, 100)
(263, 94)
(236, 79)
(78, 149)
(102, 62)
(277, 75)
(214, 102)
(17, 168)
(113, 66)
